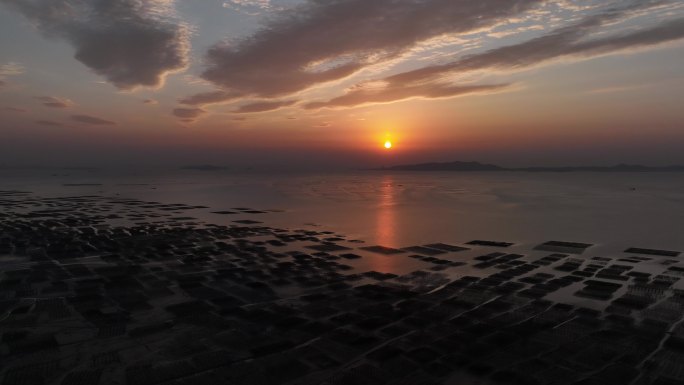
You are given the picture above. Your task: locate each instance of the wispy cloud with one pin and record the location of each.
(211, 97)
(323, 41)
(49, 123)
(131, 43)
(264, 106)
(9, 69)
(395, 92)
(93, 120)
(617, 89)
(319, 42)
(188, 115)
(573, 42)
(251, 7)
(54, 102)
(15, 109)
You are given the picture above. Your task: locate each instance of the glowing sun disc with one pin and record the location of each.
(388, 144)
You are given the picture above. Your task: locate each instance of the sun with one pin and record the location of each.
(388, 144)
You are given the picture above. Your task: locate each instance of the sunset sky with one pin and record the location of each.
(328, 82)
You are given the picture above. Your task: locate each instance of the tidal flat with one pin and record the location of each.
(110, 290)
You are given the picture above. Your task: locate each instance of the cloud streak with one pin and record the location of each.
(9, 69)
(54, 102)
(211, 97)
(396, 92)
(131, 43)
(248, 7)
(327, 40)
(568, 42)
(264, 106)
(15, 109)
(188, 115)
(50, 123)
(565, 42)
(92, 120)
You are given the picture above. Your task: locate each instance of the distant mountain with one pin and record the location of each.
(450, 166)
(476, 166)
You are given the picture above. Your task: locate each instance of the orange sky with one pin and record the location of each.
(304, 82)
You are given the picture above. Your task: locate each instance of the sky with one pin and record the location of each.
(325, 83)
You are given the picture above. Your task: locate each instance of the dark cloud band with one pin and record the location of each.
(327, 40)
(131, 43)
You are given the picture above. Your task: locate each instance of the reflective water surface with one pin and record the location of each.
(612, 210)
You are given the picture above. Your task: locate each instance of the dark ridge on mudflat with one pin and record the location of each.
(445, 247)
(479, 242)
(564, 247)
(424, 250)
(477, 166)
(328, 247)
(382, 250)
(662, 253)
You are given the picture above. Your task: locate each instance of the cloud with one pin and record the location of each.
(321, 41)
(54, 102)
(131, 43)
(87, 119)
(11, 69)
(568, 42)
(149, 101)
(392, 93)
(211, 97)
(618, 89)
(188, 113)
(565, 42)
(248, 7)
(264, 106)
(15, 109)
(49, 123)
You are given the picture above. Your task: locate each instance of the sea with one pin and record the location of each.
(612, 211)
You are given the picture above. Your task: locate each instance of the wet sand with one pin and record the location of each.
(108, 290)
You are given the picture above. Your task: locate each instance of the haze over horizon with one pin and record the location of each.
(326, 82)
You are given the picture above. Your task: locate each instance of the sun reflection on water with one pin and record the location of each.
(386, 222)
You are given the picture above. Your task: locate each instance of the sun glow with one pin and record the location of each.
(388, 144)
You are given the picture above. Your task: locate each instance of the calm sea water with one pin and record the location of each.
(398, 209)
